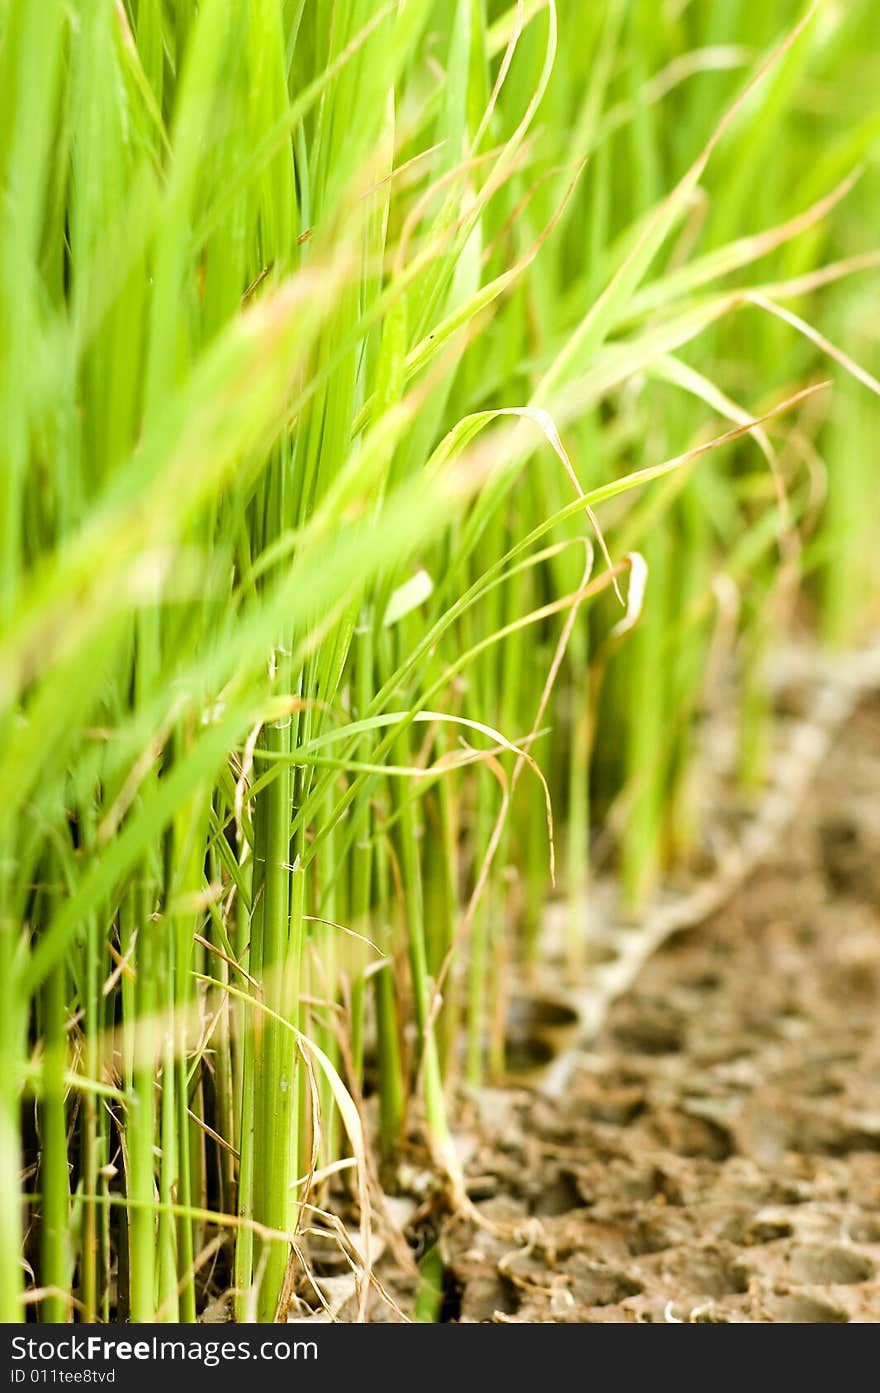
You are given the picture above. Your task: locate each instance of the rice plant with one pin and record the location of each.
(401, 402)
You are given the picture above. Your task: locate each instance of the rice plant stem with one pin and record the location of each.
(54, 1160)
(429, 1062)
(282, 931)
(140, 1110)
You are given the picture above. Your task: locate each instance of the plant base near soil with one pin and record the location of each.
(716, 1155)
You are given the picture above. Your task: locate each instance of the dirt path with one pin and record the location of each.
(716, 1155)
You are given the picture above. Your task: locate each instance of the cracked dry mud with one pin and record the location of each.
(716, 1154)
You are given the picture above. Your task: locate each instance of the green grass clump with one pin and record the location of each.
(352, 357)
